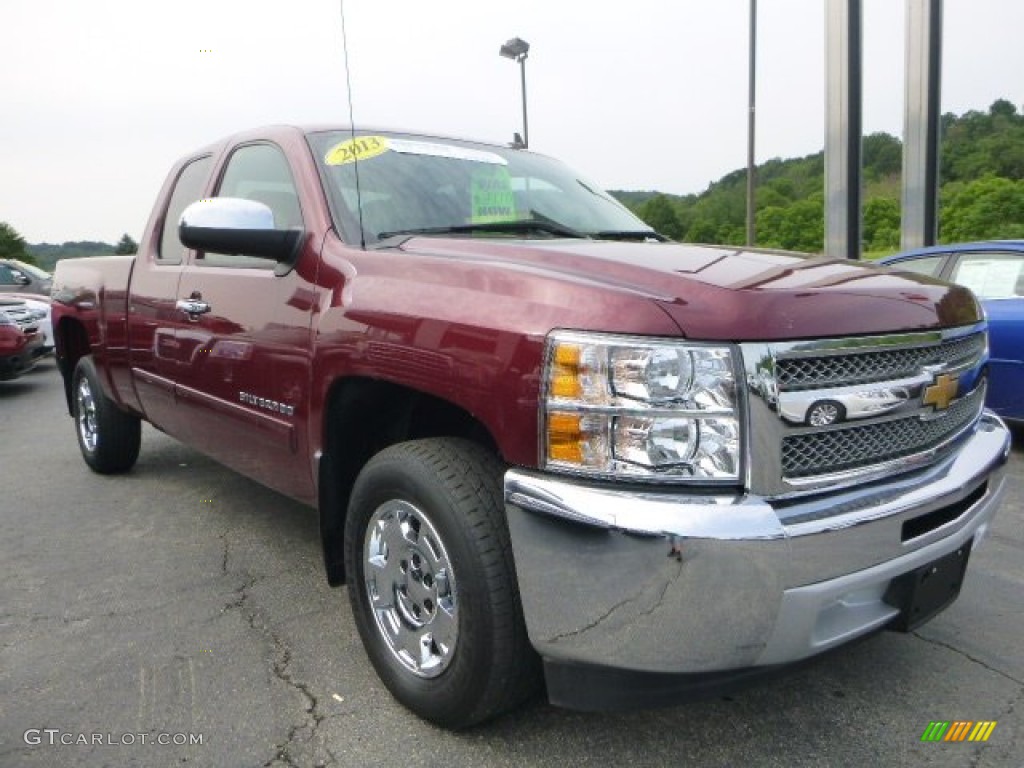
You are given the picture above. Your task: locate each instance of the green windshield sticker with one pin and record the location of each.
(359, 148)
(492, 197)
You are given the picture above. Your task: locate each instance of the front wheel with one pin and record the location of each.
(108, 437)
(432, 585)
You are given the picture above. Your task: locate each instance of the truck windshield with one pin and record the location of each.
(428, 186)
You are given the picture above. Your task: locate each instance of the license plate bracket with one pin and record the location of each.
(925, 591)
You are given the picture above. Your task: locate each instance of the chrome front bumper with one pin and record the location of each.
(670, 582)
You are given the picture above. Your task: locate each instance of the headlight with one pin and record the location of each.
(629, 407)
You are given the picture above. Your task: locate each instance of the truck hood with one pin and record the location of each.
(727, 293)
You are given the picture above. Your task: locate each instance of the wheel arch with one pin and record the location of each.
(363, 416)
(72, 344)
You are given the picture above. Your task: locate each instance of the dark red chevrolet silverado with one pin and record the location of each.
(545, 443)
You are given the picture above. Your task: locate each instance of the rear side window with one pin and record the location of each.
(188, 189)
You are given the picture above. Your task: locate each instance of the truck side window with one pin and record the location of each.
(187, 190)
(259, 172)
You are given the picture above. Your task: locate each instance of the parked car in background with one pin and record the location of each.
(19, 277)
(39, 309)
(21, 343)
(995, 272)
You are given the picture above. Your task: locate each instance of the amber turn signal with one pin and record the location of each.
(565, 372)
(565, 437)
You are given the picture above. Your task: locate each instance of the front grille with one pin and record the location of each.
(864, 367)
(23, 319)
(851, 448)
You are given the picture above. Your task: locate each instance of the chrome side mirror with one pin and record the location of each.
(234, 226)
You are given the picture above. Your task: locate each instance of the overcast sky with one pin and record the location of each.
(100, 97)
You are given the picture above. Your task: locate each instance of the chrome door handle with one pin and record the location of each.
(192, 307)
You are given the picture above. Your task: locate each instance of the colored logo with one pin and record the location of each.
(958, 730)
(941, 393)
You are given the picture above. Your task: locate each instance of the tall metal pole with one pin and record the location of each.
(751, 105)
(517, 50)
(920, 226)
(526, 127)
(843, 130)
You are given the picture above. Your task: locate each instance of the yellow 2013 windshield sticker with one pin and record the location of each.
(359, 148)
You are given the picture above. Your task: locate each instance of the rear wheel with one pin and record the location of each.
(108, 437)
(433, 587)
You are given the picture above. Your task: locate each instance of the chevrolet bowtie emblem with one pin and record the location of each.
(941, 393)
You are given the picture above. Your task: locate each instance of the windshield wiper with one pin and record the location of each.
(515, 226)
(630, 234)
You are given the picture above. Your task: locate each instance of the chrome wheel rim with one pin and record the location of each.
(411, 588)
(824, 414)
(86, 415)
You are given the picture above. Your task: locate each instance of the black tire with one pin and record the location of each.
(454, 491)
(108, 437)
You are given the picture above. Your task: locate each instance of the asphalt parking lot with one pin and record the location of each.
(187, 602)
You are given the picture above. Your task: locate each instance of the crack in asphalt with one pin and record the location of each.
(280, 668)
(968, 656)
(310, 724)
(32, 618)
(976, 758)
(80, 618)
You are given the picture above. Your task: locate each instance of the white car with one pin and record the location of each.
(39, 309)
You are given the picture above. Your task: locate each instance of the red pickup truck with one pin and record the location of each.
(545, 443)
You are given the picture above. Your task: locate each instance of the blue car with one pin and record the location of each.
(994, 271)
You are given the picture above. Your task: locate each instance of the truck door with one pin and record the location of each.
(152, 317)
(245, 358)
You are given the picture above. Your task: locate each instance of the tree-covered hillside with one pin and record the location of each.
(982, 192)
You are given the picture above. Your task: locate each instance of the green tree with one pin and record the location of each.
(797, 227)
(882, 155)
(660, 214)
(702, 231)
(980, 143)
(126, 246)
(12, 245)
(988, 208)
(881, 224)
(1003, 107)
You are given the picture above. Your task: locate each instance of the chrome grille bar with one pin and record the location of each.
(866, 367)
(826, 413)
(841, 450)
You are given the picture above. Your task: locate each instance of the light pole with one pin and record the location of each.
(517, 49)
(751, 106)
